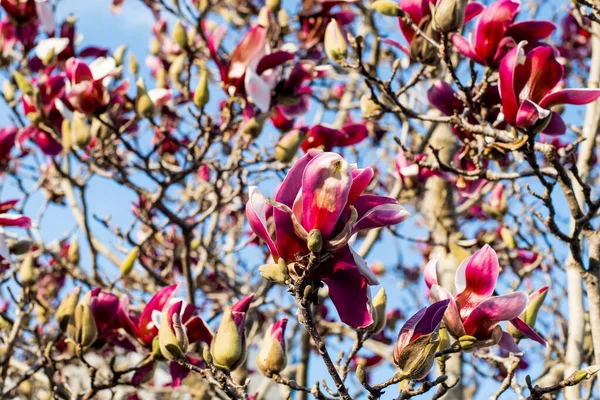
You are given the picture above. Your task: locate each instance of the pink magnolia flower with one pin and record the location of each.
(575, 39)
(528, 87)
(326, 138)
(7, 143)
(323, 192)
(427, 320)
(473, 310)
(410, 172)
(85, 89)
(12, 219)
(294, 92)
(315, 16)
(105, 309)
(496, 33)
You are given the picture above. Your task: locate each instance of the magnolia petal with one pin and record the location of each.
(430, 273)
(395, 44)
(527, 331)
(46, 16)
(486, 316)
(452, 318)
(472, 10)
(380, 216)
(556, 126)
(129, 325)
(444, 98)
(4, 252)
(147, 327)
(178, 373)
(15, 220)
(529, 114)
(506, 83)
(326, 185)
(464, 47)
(55, 45)
(142, 374)
(251, 46)
(530, 30)
(258, 91)
(102, 67)
(361, 178)
(570, 96)
(273, 60)
(545, 72)
(198, 331)
(364, 268)
(492, 25)
(507, 343)
(476, 279)
(256, 214)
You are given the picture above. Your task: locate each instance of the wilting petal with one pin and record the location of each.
(507, 342)
(527, 331)
(530, 30)
(451, 316)
(492, 311)
(380, 216)
(570, 96)
(148, 330)
(492, 26)
(251, 45)
(529, 114)
(472, 10)
(325, 188)
(476, 279)
(348, 291)
(443, 97)
(464, 47)
(430, 273)
(15, 220)
(556, 126)
(256, 214)
(258, 91)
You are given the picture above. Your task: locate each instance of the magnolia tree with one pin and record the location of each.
(329, 199)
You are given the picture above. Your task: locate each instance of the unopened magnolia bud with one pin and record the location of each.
(144, 105)
(99, 129)
(535, 304)
(119, 54)
(271, 358)
(273, 5)
(421, 49)
(154, 47)
(288, 145)
(387, 8)
(335, 42)
(585, 373)
(66, 139)
(20, 247)
(379, 317)
(253, 128)
(444, 339)
(80, 131)
(508, 238)
(66, 308)
(449, 15)
(467, 343)
(283, 18)
(8, 90)
(73, 251)
(206, 355)
(264, 17)
(49, 57)
(26, 270)
(129, 261)
(180, 35)
(361, 375)
(161, 77)
(417, 358)
(156, 353)
(134, 67)
(22, 83)
(82, 328)
(228, 348)
(202, 94)
(315, 241)
(172, 338)
(177, 67)
(274, 272)
(369, 108)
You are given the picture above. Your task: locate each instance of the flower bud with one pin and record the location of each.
(179, 35)
(275, 272)
(585, 373)
(172, 338)
(253, 127)
(73, 251)
(202, 94)
(82, 328)
(287, 147)
(272, 358)
(387, 8)
(144, 105)
(536, 300)
(177, 67)
(99, 129)
(273, 5)
(129, 261)
(26, 271)
(467, 343)
(22, 83)
(315, 241)
(369, 108)
(228, 348)
(8, 90)
(421, 49)
(66, 139)
(379, 316)
(134, 67)
(80, 131)
(508, 238)
(20, 247)
(449, 15)
(119, 54)
(335, 42)
(497, 206)
(66, 308)
(416, 359)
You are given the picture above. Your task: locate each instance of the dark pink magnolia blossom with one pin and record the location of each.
(7, 143)
(251, 71)
(29, 12)
(468, 186)
(473, 310)
(315, 16)
(427, 320)
(85, 89)
(294, 92)
(575, 39)
(326, 138)
(322, 191)
(13, 220)
(496, 33)
(528, 88)
(105, 309)
(410, 172)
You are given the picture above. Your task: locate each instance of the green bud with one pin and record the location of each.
(202, 94)
(508, 238)
(467, 343)
(156, 353)
(34, 117)
(66, 139)
(369, 108)
(271, 358)
(387, 8)
(144, 105)
(533, 309)
(127, 265)
(26, 270)
(22, 83)
(119, 54)
(449, 15)
(177, 67)
(173, 342)
(334, 40)
(585, 373)
(288, 145)
(275, 272)
(315, 241)
(273, 5)
(417, 358)
(253, 127)
(180, 35)
(8, 90)
(154, 47)
(206, 355)
(99, 129)
(49, 57)
(73, 251)
(361, 375)
(80, 131)
(82, 328)
(20, 247)
(379, 317)
(134, 67)
(66, 308)
(228, 348)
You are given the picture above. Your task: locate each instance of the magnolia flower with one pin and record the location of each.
(315, 17)
(496, 33)
(85, 88)
(411, 174)
(326, 138)
(6, 219)
(528, 87)
(473, 312)
(322, 193)
(575, 41)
